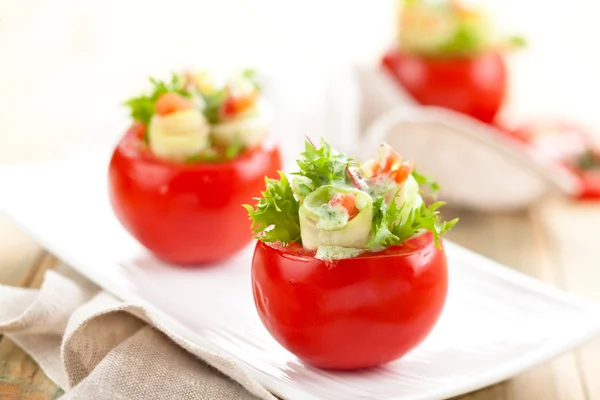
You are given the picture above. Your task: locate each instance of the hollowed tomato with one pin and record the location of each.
(475, 85)
(187, 213)
(350, 313)
(570, 145)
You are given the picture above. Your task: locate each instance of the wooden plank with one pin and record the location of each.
(21, 378)
(23, 263)
(518, 241)
(573, 232)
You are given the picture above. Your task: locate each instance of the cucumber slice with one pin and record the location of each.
(179, 135)
(322, 225)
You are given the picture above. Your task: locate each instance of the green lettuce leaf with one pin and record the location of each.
(212, 104)
(391, 226)
(323, 165)
(275, 216)
(381, 235)
(141, 108)
(423, 180)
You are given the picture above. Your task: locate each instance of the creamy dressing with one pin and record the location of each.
(328, 229)
(382, 187)
(331, 217)
(406, 193)
(322, 224)
(336, 252)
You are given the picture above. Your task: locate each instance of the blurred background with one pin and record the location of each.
(66, 62)
(66, 66)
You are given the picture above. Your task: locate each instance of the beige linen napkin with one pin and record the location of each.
(96, 347)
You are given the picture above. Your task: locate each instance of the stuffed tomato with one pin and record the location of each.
(447, 56)
(349, 269)
(197, 150)
(570, 145)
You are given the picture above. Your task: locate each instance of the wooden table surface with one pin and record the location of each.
(557, 242)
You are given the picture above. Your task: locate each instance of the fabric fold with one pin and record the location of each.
(97, 347)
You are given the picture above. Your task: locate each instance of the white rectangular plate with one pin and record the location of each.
(497, 322)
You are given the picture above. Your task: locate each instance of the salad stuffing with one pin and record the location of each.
(195, 117)
(340, 209)
(447, 28)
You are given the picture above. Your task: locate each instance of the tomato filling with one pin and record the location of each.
(346, 201)
(390, 164)
(170, 103)
(233, 106)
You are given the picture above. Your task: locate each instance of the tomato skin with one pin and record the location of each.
(351, 313)
(590, 186)
(187, 214)
(475, 86)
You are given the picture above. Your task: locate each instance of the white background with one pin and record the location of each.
(64, 61)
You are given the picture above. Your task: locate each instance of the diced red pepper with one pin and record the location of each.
(347, 201)
(169, 103)
(235, 105)
(391, 164)
(401, 173)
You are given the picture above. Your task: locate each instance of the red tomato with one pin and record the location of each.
(561, 141)
(567, 144)
(475, 86)
(590, 185)
(187, 213)
(351, 313)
